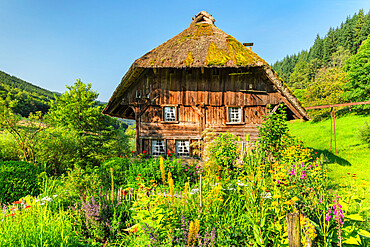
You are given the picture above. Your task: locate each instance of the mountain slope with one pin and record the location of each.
(30, 98)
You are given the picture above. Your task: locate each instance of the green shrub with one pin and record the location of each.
(18, 179)
(273, 133)
(78, 184)
(364, 132)
(57, 150)
(8, 148)
(224, 149)
(120, 168)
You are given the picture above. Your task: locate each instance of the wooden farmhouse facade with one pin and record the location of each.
(201, 78)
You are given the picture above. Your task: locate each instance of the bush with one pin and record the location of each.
(18, 179)
(8, 148)
(78, 184)
(365, 133)
(120, 168)
(224, 149)
(273, 133)
(57, 150)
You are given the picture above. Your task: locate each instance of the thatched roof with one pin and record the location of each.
(200, 45)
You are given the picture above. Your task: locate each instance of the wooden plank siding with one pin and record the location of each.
(201, 98)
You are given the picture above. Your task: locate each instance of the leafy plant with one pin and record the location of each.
(364, 133)
(18, 179)
(224, 150)
(273, 133)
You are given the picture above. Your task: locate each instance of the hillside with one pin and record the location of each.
(335, 68)
(30, 98)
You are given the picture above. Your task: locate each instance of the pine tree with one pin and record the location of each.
(358, 28)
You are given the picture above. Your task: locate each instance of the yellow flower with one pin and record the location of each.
(274, 203)
(294, 199)
(276, 196)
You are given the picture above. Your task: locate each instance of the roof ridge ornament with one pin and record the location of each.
(203, 17)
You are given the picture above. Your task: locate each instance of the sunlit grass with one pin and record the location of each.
(353, 156)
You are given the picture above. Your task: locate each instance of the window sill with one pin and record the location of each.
(235, 123)
(169, 122)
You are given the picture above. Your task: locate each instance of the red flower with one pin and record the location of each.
(12, 209)
(27, 206)
(139, 175)
(134, 230)
(170, 154)
(17, 202)
(132, 151)
(144, 152)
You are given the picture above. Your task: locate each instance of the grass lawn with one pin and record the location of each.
(353, 156)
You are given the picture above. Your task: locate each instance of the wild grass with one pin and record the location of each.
(37, 226)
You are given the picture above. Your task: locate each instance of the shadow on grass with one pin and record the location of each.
(332, 158)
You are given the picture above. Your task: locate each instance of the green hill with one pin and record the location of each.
(30, 98)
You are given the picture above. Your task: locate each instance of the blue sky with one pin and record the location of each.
(52, 43)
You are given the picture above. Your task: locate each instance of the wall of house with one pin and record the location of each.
(201, 98)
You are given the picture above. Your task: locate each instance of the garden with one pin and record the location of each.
(72, 178)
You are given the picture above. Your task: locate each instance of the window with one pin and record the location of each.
(235, 114)
(158, 147)
(169, 113)
(182, 148)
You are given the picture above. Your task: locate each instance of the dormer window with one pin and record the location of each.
(235, 114)
(169, 113)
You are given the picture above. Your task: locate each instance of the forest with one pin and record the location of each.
(29, 97)
(328, 72)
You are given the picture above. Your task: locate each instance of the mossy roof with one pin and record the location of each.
(209, 46)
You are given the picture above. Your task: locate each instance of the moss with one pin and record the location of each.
(238, 53)
(183, 38)
(189, 59)
(203, 29)
(216, 56)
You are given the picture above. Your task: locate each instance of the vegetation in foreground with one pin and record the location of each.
(242, 200)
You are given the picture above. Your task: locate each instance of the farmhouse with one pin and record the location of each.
(201, 78)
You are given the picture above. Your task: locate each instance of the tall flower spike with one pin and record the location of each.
(163, 173)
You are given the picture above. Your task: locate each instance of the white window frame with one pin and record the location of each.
(234, 114)
(182, 148)
(158, 147)
(169, 114)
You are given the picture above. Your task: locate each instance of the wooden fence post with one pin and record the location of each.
(294, 230)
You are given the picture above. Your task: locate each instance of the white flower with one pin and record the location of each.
(55, 196)
(41, 204)
(37, 200)
(266, 195)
